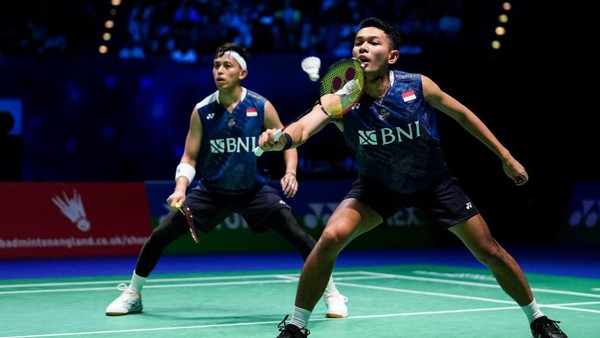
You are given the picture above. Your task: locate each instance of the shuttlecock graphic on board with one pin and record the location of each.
(73, 209)
(311, 66)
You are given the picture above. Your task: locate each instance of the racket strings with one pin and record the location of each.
(342, 86)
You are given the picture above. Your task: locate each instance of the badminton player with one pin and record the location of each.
(391, 131)
(230, 180)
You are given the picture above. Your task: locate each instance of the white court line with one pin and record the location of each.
(446, 281)
(557, 306)
(408, 314)
(340, 277)
(141, 330)
(188, 285)
(152, 280)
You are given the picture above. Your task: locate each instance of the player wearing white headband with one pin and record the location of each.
(224, 129)
(240, 60)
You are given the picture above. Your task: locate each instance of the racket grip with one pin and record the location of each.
(259, 151)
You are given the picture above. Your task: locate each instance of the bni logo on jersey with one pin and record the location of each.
(385, 136)
(233, 145)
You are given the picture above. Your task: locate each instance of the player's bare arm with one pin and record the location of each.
(190, 153)
(473, 124)
(299, 131)
(272, 119)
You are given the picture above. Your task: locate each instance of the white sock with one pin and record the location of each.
(532, 311)
(137, 282)
(331, 287)
(300, 317)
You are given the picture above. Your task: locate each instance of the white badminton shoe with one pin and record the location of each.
(336, 305)
(128, 302)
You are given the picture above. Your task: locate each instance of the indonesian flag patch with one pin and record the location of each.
(251, 112)
(409, 96)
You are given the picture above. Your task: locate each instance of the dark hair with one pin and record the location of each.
(389, 29)
(230, 46)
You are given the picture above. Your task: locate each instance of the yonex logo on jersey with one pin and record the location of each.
(389, 135)
(232, 145)
(210, 116)
(469, 206)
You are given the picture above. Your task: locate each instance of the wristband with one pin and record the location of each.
(186, 170)
(288, 141)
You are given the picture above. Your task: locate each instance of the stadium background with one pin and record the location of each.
(72, 114)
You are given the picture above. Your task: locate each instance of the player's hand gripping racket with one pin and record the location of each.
(190, 220)
(340, 88)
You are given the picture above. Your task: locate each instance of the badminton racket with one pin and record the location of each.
(190, 220)
(340, 88)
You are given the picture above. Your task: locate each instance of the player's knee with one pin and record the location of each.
(491, 255)
(334, 238)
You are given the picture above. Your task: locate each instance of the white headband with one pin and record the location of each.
(237, 57)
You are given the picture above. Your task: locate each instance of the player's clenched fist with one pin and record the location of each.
(271, 140)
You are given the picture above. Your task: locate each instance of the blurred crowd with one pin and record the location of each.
(185, 29)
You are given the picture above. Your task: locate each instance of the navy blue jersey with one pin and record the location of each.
(226, 163)
(396, 142)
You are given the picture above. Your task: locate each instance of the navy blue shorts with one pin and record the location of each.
(444, 203)
(210, 209)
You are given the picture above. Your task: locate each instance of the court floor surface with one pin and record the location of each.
(392, 293)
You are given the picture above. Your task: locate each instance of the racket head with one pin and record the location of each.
(341, 86)
(190, 221)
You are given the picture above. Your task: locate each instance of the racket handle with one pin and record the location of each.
(259, 151)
